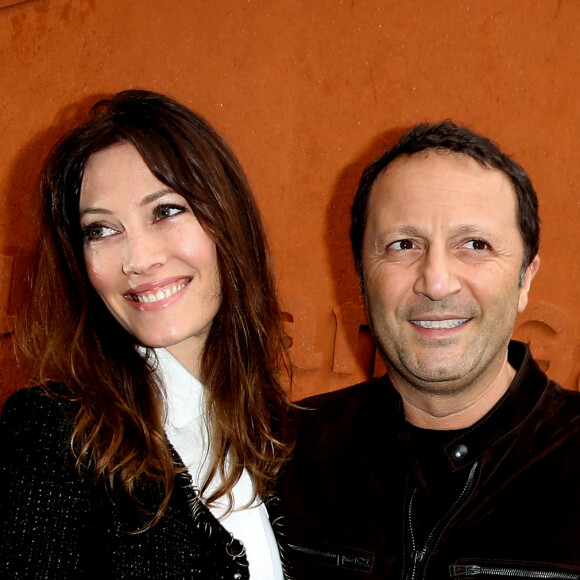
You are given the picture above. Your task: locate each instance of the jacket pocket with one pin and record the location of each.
(346, 558)
(498, 570)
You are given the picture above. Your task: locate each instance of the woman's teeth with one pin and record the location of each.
(161, 294)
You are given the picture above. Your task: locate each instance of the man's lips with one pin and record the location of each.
(158, 291)
(440, 324)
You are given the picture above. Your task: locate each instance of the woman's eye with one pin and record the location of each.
(477, 245)
(165, 211)
(97, 232)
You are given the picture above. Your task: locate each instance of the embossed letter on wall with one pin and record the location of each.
(546, 328)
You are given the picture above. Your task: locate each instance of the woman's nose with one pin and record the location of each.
(142, 253)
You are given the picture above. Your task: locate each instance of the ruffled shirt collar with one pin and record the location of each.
(184, 392)
(187, 430)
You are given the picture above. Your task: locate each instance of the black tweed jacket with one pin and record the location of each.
(56, 525)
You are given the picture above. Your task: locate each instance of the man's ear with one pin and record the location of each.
(527, 282)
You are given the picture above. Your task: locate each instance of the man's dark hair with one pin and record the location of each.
(447, 137)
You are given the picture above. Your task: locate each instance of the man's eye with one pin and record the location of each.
(477, 245)
(165, 211)
(96, 232)
(402, 245)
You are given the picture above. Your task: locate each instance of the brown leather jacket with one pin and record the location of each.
(368, 496)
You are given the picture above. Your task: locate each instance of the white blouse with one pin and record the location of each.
(187, 431)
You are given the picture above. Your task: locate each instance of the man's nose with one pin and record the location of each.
(437, 276)
(142, 253)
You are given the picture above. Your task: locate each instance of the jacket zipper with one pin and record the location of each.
(457, 571)
(353, 561)
(418, 555)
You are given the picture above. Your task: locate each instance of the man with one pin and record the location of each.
(465, 459)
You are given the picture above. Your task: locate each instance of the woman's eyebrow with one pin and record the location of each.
(149, 198)
(94, 210)
(154, 196)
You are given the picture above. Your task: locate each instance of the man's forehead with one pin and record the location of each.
(433, 190)
(442, 171)
(433, 157)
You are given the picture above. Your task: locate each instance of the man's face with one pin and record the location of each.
(442, 257)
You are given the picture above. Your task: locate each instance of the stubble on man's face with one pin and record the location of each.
(442, 257)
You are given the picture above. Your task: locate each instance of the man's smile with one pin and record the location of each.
(440, 324)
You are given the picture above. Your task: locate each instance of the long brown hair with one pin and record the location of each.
(79, 351)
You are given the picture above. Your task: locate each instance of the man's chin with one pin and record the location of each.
(436, 377)
(444, 387)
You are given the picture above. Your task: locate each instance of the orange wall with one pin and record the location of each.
(307, 93)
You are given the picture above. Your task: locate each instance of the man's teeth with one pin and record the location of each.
(160, 294)
(440, 323)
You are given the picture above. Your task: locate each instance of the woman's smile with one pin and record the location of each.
(158, 292)
(146, 254)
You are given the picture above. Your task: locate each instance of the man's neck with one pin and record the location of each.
(453, 411)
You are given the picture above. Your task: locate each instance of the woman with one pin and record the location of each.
(154, 336)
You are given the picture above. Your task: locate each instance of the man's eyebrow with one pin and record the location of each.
(472, 230)
(409, 230)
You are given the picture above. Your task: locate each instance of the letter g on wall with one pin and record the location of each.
(550, 334)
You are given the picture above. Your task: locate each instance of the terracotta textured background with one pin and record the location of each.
(307, 93)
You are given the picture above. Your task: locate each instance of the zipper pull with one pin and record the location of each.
(416, 559)
(455, 571)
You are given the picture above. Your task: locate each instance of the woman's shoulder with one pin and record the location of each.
(35, 410)
(52, 399)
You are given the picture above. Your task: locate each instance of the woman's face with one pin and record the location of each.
(147, 256)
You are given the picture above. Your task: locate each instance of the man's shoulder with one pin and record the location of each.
(562, 401)
(535, 391)
(341, 418)
(354, 397)
(554, 422)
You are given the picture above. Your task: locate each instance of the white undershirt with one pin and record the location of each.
(186, 429)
